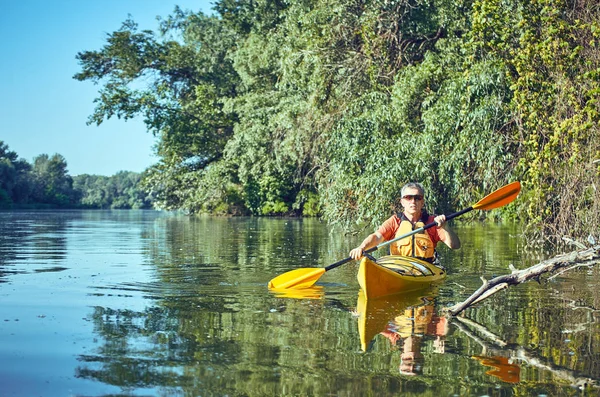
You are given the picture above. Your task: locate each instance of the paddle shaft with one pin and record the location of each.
(419, 230)
(306, 277)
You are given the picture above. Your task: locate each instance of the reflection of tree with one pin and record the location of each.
(241, 250)
(199, 349)
(304, 348)
(213, 329)
(138, 349)
(33, 241)
(495, 346)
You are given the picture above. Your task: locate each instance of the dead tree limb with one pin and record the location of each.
(586, 257)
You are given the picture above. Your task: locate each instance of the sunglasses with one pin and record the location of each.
(415, 197)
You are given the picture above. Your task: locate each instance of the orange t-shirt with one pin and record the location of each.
(390, 226)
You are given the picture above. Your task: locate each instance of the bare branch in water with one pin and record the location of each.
(585, 257)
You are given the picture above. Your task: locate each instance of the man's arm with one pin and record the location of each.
(446, 234)
(371, 241)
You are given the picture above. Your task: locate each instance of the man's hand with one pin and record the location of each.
(357, 253)
(371, 241)
(440, 220)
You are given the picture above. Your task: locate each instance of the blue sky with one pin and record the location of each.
(42, 108)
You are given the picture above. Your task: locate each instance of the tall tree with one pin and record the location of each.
(176, 80)
(14, 181)
(53, 184)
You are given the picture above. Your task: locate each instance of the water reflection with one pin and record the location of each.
(507, 360)
(314, 292)
(163, 304)
(503, 368)
(32, 241)
(404, 320)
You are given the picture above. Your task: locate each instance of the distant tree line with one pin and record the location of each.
(327, 107)
(47, 184)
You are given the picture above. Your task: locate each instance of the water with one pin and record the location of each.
(143, 303)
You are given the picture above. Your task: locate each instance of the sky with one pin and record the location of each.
(43, 110)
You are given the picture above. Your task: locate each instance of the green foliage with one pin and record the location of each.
(14, 173)
(265, 163)
(552, 61)
(309, 203)
(189, 75)
(329, 107)
(7, 179)
(52, 183)
(48, 184)
(426, 131)
(215, 191)
(120, 191)
(245, 16)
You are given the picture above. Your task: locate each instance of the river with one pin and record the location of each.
(147, 303)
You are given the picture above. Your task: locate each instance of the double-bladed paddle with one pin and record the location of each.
(306, 277)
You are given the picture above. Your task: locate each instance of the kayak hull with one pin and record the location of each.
(395, 274)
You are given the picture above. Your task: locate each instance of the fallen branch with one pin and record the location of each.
(587, 257)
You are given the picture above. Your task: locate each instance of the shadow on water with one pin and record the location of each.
(157, 303)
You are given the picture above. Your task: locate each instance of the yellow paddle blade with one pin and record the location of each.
(500, 197)
(298, 278)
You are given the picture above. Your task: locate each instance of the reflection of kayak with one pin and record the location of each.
(374, 315)
(394, 274)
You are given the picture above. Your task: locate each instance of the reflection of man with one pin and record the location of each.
(411, 360)
(409, 329)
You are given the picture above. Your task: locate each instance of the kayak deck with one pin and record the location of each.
(395, 274)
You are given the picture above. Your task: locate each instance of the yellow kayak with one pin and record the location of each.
(394, 274)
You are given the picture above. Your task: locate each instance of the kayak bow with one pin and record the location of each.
(395, 274)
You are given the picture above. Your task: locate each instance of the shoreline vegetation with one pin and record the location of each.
(327, 108)
(46, 184)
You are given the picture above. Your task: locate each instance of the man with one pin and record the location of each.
(413, 216)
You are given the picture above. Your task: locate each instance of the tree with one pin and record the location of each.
(120, 191)
(271, 106)
(14, 181)
(53, 185)
(189, 77)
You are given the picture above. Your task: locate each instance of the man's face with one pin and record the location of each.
(412, 201)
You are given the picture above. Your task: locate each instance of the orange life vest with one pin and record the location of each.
(418, 245)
